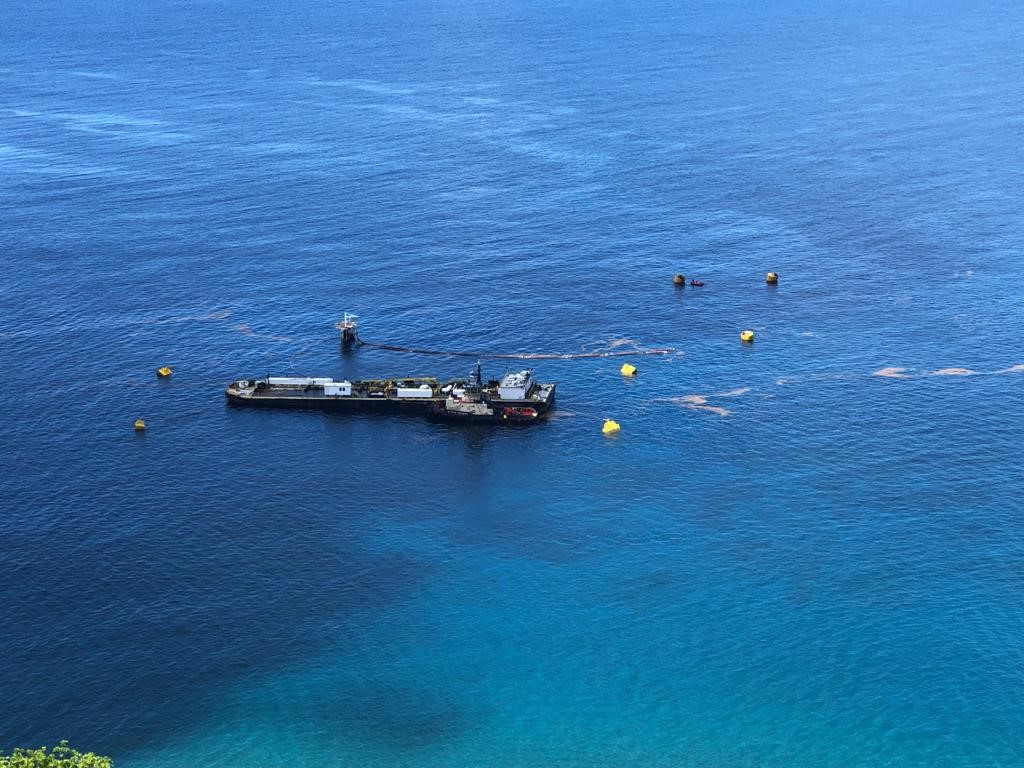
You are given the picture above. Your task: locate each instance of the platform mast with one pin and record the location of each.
(348, 326)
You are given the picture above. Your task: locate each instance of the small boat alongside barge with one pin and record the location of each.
(516, 398)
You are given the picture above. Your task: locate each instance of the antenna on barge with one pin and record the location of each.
(348, 326)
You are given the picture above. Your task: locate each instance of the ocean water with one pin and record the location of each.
(808, 551)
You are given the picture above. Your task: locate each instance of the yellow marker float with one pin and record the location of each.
(627, 370)
(140, 425)
(747, 337)
(772, 278)
(610, 428)
(679, 279)
(164, 372)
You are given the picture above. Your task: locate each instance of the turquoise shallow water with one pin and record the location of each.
(784, 559)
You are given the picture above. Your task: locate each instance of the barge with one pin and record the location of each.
(516, 398)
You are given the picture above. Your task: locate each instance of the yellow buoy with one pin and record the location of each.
(164, 372)
(772, 278)
(627, 370)
(610, 427)
(139, 425)
(747, 336)
(679, 279)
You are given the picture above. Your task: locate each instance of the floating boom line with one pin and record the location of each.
(519, 355)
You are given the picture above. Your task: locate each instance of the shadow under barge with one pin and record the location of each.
(514, 399)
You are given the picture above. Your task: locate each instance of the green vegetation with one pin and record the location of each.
(62, 756)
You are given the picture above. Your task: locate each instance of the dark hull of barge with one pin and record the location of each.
(387, 406)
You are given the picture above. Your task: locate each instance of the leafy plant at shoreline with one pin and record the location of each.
(62, 756)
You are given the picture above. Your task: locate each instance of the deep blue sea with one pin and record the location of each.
(804, 552)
